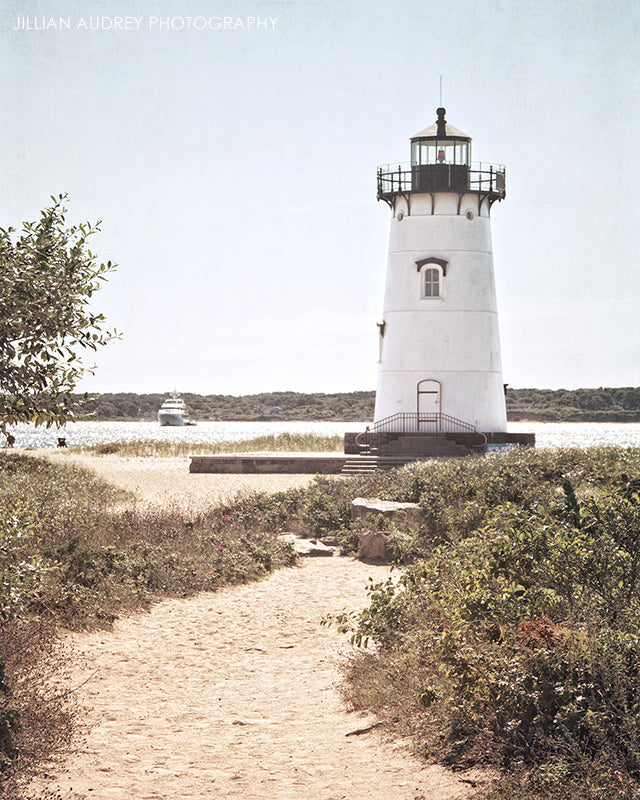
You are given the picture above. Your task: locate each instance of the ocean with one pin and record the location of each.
(548, 434)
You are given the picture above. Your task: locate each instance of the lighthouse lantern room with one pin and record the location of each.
(439, 364)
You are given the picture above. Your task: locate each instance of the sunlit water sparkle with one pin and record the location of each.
(548, 434)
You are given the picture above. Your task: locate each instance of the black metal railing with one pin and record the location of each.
(429, 423)
(483, 178)
(425, 422)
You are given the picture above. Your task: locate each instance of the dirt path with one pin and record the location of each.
(234, 694)
(167, 480)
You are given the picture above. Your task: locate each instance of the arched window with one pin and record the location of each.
(431, 282)
(432, 271)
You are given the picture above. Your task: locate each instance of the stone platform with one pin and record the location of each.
(400, 449)
(434, 445)
(285, 463)
(296, 463)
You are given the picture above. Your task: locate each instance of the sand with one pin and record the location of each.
(232, 694)
(165, 481)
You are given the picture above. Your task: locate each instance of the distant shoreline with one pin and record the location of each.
(604, 417)
(598, 416)
(523, 405)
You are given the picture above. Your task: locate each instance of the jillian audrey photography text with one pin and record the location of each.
(223, 22)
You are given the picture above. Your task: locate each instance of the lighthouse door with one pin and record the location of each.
(429, 406)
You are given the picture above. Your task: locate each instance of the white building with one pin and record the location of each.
(439, 366)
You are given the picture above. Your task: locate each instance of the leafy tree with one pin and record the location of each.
(47, 277)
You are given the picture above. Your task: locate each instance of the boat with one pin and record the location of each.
(173, 411)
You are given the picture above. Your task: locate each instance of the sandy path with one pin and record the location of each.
(234, 694)
(167, 480)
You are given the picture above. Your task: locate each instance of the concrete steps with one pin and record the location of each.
(400, 449)
(365, 465)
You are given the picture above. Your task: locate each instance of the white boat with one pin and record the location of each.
(173, 411)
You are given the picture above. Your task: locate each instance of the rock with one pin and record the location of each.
(307, 547)
(362, 506)
(330, 541)
(373, 546)
(312, 547)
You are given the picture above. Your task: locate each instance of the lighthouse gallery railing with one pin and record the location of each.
(483, 178)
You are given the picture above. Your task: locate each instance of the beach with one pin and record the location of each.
(232, 694)
(166, 481)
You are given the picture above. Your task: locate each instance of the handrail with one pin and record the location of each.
(483, 178)
(414, 422)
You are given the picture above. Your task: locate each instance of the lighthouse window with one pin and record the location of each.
(432, 282)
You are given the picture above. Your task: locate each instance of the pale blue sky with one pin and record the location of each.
(234, 171)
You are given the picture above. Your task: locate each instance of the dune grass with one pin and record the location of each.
(282, 442)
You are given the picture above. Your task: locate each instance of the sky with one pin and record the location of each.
(230, 150)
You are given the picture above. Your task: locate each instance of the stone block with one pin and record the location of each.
(307, 547)
(312, 547)
(372, 546)
(362, 506)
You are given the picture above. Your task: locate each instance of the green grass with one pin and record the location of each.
(282, 442)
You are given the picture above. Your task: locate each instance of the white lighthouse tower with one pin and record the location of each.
(440, 368)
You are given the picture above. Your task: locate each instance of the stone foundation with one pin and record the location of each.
(269, 463)
(430, 445)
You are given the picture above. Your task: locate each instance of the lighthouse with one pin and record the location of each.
(439, 365)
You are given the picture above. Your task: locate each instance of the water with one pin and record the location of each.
(548, 434)
(89, 433)
(580, 434)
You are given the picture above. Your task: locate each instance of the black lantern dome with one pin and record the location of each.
(440, 158)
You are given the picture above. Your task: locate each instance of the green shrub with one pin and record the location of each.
(324, 507)
(517, 641)
(263, 511)
(9, 725)
(36, 719)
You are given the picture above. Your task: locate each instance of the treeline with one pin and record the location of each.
(621, 404)
(544, 405)
(345, 406)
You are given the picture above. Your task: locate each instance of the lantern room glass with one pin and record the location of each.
(443, 151)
